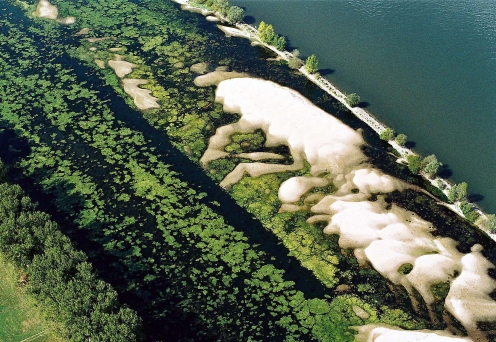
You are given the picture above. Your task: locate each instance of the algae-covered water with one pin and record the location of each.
(127, 189)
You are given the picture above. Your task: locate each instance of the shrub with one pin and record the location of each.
(430, 165)
(235, 14)
(295, 63)
(265, 32)
(468, 210)
(221, 6)
(312, 64)
(441, 185)
(279, 42)
(387, 134)
(401, 139)
(490, 223)
(414, 163)
(457, 192)
(353, 100)
(405, 268)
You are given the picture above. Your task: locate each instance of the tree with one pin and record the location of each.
(414, 163)
(279, 42)
(235, 14)
(266, 32)
(457, 192)
(387, 134)
(353, 100)
(469, 211)
(312, 64)
(221, 6)
(401, 139)
(429, 159)
(430, 165)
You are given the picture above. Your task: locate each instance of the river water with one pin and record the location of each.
(426, 68)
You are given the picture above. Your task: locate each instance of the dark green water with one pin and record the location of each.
(426, 68)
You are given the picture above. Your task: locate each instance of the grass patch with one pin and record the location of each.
(19, 317)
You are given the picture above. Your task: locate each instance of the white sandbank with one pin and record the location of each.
(142, 97)
(385, 333)
(289, 119)
(387, 237)
(199, 68)
(216, 77)
(295, 187)
(187, 7)
(94, 40)
(259, 156)
(83, 31)
(233, 32)
(121, 67)
(67, 20)
(100, 63)
(212, 18)
(46, 10)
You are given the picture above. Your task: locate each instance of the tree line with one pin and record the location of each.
(233, 14)
(59, 276)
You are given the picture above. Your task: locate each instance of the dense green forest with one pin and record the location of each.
(58, 276)
(125, 189)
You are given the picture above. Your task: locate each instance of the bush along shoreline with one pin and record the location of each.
(58, 275)
(266, 36)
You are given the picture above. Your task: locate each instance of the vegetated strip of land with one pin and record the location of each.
(461, 206)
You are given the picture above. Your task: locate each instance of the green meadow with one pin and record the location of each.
(20, 319)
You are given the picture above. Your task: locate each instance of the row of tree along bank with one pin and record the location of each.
(428, 167)
(58, 276)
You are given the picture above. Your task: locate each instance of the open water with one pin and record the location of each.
(426, 68)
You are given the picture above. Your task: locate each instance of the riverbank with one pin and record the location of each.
(249, 32)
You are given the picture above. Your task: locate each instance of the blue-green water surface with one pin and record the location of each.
(427, 68)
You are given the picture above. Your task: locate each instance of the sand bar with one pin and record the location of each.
(142, 97)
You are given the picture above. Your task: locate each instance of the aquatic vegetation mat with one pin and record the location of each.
(193, 263)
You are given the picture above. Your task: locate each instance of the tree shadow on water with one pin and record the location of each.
(326, 71)
(410, 144)
(444, 171)
(249, 19)
(475, 197)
